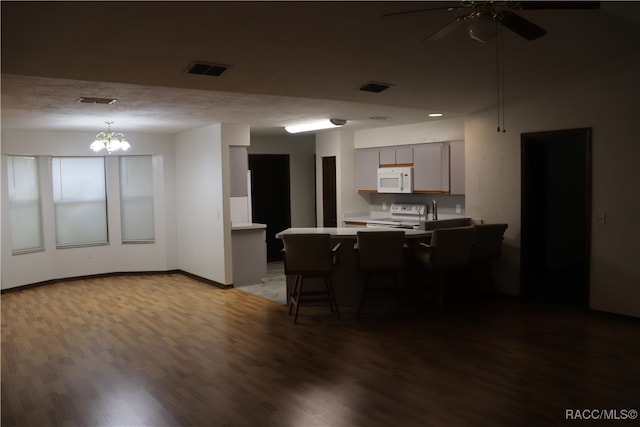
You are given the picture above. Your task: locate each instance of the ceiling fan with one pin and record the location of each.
(483, 17)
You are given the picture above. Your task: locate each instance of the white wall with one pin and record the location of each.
(417, 133)
(204, 214)
(606, 100)
(301, 150)
(55, 263)
(339, 143)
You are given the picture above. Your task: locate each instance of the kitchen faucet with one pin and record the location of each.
(434, 210)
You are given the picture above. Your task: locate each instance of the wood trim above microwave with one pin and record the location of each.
(396, 165)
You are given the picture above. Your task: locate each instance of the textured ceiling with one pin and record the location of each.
(288, 62)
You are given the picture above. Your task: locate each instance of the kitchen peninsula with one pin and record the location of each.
(347, 280)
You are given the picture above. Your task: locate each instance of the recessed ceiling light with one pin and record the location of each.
(436, 114)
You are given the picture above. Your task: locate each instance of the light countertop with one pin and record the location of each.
(247, 226)
(349, 231)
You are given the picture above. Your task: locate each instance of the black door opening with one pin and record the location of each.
(270, 197)
(556, 215)
(329, 198)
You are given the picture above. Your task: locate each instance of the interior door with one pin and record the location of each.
(556, 215)
(329, 198)
(271, 197)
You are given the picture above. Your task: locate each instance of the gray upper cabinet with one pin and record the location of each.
(396, 156)
(404, 156)
(437, 167)
(387, 156)
(427, 168)
(456, 162)
(367, 161)
(239, 165)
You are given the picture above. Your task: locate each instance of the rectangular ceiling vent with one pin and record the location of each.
(90, 100)
(375, 87)
(206, 69)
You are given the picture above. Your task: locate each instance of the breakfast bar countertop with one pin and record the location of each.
(350, 231)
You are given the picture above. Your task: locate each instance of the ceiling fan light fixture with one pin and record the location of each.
(317, 125)
(483, 29)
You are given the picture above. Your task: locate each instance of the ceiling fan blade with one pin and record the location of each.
(447, 29)
(558, 5)
(428, 9)
(519, 25)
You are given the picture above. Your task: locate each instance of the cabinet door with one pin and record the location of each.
(238, 166)
(427, 168)
(367, 162)
(404, 156)
(387, 156)
(456, 159)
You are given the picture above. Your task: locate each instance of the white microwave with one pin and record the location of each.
(395, 180)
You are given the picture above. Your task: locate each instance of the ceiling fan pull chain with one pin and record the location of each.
(500, 78)
(501, 41)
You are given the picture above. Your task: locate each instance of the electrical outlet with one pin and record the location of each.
(600, 218)
(384, 206)
(458, 209)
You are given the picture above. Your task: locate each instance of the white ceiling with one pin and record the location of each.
(288, 62)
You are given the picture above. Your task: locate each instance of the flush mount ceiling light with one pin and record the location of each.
(110, 141)
(319, 125)
(436, 114)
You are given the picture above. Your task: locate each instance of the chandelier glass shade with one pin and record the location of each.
(110, 141)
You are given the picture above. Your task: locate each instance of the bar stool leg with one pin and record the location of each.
(292, 296)
(332, 296)
(295, 318)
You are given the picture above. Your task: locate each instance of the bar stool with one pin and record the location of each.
(310, 256)
(487, 247)
(449, 252)
(380, 253)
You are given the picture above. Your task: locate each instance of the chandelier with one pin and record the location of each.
(110, 141)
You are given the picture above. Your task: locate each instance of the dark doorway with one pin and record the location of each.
(270, 197)
(556, 215)
(329, 204)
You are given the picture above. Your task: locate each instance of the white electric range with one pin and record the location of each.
(401, 216)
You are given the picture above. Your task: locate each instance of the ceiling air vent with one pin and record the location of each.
(205, 69)
(89, 100)
(375, 87)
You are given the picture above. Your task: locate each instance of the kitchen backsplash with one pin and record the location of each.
(447, 204)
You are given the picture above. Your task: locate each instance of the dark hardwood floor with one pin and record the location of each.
(167, 350)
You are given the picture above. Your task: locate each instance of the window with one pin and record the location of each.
(79, 197)
(24, 204)
(136, 199)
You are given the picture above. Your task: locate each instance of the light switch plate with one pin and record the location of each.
(600, 218)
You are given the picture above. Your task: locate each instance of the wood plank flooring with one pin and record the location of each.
(167, 350)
